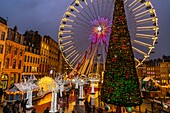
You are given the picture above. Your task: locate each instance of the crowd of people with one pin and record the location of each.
(16, 107)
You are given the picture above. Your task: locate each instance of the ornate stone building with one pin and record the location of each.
(13, 56)
(53, 60)
(32, 44)
(159, 69)
(3, 36)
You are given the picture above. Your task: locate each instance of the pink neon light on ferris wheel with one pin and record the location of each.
(100, 30)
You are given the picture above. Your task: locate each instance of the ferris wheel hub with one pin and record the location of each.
(99, 28)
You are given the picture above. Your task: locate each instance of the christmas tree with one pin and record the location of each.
(121, 85)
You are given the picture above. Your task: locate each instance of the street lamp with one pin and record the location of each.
(54, 90)
(93, 80)
(61, 82)
(29, 86)
(80, 81)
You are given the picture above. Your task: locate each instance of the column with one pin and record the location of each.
(29, 97)
(76, 87)
(81, 92)
(92, 100)
(92, 90)
(53, 102)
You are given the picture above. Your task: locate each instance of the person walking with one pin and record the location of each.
(6, 108)
(15, 107)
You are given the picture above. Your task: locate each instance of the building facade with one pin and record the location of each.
(3, 36)
(53, 60)
(32, 44)
(159, 69)
(13, 56)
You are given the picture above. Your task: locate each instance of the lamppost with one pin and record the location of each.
(29, 86)
(80, 81)
(54, 88)
(93, 80)
(61, 82)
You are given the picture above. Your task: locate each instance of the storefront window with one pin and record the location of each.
(4, 81)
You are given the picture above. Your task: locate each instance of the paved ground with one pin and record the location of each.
(41, 105)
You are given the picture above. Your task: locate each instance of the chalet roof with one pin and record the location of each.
(19, 87)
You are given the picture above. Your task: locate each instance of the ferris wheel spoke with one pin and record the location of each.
(95, 13)
(98, 7)
(137, 60)
(105, 9)
(110, 10)
(68, 14)
(74, 60)
(86, 22)
(67, 43)
(142, 43)
(77, 59)
(64, 38)
(66, 26)
(147, 28)
(91, 11)
(68, 49)
(144, 36)
(139, 51)
(138, 9)
(102, 11)
(142, 14)
(80, 31)
(70, 54)
(84, 9)
(104, 55)
(67, 20)
(82, 25)
(147, 20)
(79, 35)
(133, 4)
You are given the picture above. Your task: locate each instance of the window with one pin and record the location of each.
(20, 52)
(1, 49)
(15, 51)
(9, 32)
(24, 69)
(2, 36)
(30, 69)
(28, 59)
(25, 58)
(27, 69)
(14, 64)
(19, 65)
(8, 49)
(34, 69)
(4, 81)
(7, 63)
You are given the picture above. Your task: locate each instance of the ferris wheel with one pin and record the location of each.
(85, 30)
